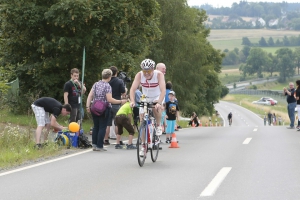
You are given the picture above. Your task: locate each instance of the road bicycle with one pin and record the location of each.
(230, 121)
(147, 138)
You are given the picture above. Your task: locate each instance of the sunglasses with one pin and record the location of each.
(147, 71)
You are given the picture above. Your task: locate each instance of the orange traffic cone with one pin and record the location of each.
(193, 124)
(174, 143)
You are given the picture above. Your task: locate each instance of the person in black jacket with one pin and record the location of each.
(118, 89)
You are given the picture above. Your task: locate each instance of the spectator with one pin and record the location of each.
(161, 67)
(118, 89)
(274, 119)
(73, 89)
(291, 100)
(102, 91)
(41, 108)
(298, 102)
(136, 108)
(123, 120)
(279, 120)
(163, 119)
(269, 118)
(195, 119)
(171, 114)
(168, 89)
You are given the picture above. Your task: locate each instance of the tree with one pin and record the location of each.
(43, 39)
(271, 42)
(286, 63)
(271, 64)
(256, 60)
(185, 50)
(297, 57)
(286, 41)
(262, 42)
(246, 41)
(246, 51)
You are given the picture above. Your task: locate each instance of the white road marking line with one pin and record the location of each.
(255, 130)
(216, 182)
(44, 163)
(247, 141)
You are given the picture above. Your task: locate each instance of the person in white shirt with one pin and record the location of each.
(153, 86)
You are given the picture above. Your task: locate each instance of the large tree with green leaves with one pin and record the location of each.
(286, 64)
(44, 39)
(255, 61)
(192, 63)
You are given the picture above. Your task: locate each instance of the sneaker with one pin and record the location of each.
(121, 143)
(179, 127)
(99, 149)
(164, 133)
(106, 142)
(142, 152)
(131, 146)
(37, 146)
(168, 141)
(290, 127)
(118, 146)
(158, 130)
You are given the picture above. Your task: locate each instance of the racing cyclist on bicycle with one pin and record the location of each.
(153, 86)
(230, 118)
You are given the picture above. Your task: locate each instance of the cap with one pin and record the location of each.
(172, 92)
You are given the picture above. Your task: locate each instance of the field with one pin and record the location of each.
(232, 38)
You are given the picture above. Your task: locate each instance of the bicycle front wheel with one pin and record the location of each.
(141, 145)
(155, 147)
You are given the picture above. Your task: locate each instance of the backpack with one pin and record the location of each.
(84, 142)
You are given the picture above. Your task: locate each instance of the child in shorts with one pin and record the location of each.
(172, 113)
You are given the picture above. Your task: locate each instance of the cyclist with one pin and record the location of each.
(230, 118)
(153, 86)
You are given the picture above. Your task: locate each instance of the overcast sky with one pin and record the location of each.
(228, 3)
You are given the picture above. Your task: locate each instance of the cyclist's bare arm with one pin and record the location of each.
(134, 86)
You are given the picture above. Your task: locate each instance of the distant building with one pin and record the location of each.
(262, 21)
(273, 22)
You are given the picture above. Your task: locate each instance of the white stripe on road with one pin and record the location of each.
(247, 141)
(50, 161)
(255, 129)
(44, 163)
(216, 182)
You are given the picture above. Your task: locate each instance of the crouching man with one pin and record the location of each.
(41, 108)
(123, 120)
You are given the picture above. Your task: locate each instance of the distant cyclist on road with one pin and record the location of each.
(230, 118)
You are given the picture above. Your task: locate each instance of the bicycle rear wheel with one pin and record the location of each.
(155, 147)
(142, 147)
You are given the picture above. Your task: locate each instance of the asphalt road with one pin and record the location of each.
(244, 161)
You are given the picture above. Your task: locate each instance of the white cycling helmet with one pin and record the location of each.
(147, 64)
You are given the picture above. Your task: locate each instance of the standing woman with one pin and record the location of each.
(102, 91)
(274, 120)
(298, 102)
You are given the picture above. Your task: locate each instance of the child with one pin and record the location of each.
(163, 119)
(123, 119)
(171, 114)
